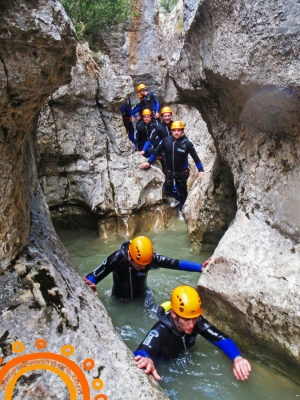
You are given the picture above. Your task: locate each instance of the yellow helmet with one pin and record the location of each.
(141, 250)
(146, 111)
(186, 302)
(141, 86)
(177, 125)
(166, 110)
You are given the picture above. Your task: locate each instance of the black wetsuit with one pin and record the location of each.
(149, 101)
(128, 282)
(142, 134)
(162, 131)
(176, 156)
(165, 340)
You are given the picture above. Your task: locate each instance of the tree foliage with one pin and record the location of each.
(92, 18)
(168, 5)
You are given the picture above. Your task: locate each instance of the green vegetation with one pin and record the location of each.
(94, 18)
(168, 5)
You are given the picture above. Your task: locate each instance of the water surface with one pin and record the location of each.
(202, 373)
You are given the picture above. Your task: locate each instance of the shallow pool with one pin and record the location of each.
(203, 373)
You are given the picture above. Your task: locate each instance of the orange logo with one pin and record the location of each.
(66, 369)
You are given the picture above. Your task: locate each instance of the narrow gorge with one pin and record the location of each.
(230, 71)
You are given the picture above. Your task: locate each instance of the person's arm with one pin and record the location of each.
(241, 366)
(153, 156)
(173, 263)
(104, 269)
(149, 348)
(186, 265)
(150, 140)
(138, 108)
(156, 104)
(195, 157)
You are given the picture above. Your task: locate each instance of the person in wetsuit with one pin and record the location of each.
(161, 131)
(143, 131)
(127, 119)
(180, 321)
(176, 149)
(130, 266)
(149, 100)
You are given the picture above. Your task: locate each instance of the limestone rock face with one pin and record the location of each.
(88, 168)
(42, 295)
(243, 76)
(22, 63)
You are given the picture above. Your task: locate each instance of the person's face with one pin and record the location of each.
(185, 325)
(167, 117)
(143, 92)
(177, 133)
(146, 119)
(135, 265)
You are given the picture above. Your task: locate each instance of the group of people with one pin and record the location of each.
(180, 319)
(164, 139)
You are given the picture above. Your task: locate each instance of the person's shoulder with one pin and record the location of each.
(139, 124)
(202, 324)
(123, 251)
(188, 142)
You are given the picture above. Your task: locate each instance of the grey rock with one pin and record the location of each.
(42, 295)
(242, 74)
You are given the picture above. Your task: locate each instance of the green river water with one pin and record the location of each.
(203, 373)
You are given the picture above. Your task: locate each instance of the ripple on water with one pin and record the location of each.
(203, 373)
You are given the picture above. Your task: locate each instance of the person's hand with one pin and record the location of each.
(205, 264)
(147, 364)
(142, 152)
(157, 115)
(241, 368)
(91, 285)
(138, 117)
(145, 165)
(201, 175)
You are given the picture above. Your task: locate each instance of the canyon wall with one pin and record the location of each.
(44, 303)
(230, 71)
(238, 64)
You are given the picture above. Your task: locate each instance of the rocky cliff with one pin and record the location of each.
(44, 303)
(230, 72)
(237, 62)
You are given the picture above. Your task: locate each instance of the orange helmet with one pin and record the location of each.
(166, 110)
(141, 86)
(177, 125)
(141, 250)
(146, 111)
(186, 302)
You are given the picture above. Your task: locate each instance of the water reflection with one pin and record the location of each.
(204, 372)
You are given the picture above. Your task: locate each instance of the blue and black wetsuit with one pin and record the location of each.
(142, 134)
(127, 281)
(150, 101)
(165, 340)
(162, 131)
(176, 156)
